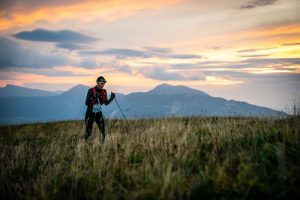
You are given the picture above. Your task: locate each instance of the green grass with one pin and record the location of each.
(173, 158)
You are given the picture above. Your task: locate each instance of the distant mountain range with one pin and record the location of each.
(22, 105)
(12, 90)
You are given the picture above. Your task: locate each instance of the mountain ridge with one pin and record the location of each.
(177, 89)
(14, 90)
(177, 101)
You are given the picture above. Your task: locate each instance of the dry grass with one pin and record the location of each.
(173, 158)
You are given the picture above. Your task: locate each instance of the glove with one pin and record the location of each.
(113, 95)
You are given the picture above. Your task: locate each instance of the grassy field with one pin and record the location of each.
(173, 158)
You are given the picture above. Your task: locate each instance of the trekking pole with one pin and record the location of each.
(121, 111)
(104, 122)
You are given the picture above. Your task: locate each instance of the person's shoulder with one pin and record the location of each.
(94, 87)
(104, 90)
(91, 89)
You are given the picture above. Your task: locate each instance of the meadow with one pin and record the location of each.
(167, 158)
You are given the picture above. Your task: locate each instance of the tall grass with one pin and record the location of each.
(172, 158)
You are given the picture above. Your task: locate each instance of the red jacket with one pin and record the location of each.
(96, 95)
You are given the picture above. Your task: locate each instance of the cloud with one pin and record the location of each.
(69, 46)
(262, 63)
(269, 66)
(132, 53)
(181, 56)
(284, 61)
(88, 63)
(14, 55)
(29, 12)
(254, 50)
(205, 64)
(253, 62)
(256, 3)
(158, 49)
(250, 77)
(163, 74)
(252, 68)
(119, 53)
(65, 39)
(255, 56)
(14, 5)
(291, 44)
(49, 86)
(167, 53)
(51, 72)
(65, 36)
(4, 76)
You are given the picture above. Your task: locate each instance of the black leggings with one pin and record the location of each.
(90, 117)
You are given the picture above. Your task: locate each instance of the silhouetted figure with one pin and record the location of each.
(95, 98)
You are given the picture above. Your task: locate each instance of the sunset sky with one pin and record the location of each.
(243, 50)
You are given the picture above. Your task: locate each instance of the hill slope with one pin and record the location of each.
(175, 158)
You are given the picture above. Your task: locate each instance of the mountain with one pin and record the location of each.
(76, 91)
(164, 89)
(13, 90)
(162, 101)
(167, 100)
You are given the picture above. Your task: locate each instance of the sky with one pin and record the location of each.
(247, 50)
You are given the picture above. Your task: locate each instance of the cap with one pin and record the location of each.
(101, 79)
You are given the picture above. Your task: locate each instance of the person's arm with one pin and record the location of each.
(112, 96)
(89, 98)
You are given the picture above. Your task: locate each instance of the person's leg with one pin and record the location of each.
(89, 120)
(101, 125)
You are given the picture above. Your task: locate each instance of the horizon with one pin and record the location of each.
(228, 99)
(246, 51)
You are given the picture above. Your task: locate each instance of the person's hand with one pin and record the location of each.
(113, 95)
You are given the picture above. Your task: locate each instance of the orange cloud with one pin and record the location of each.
(87, 11)
(276, 35)
(259, 37)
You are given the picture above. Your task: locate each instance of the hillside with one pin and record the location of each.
(169, 158)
